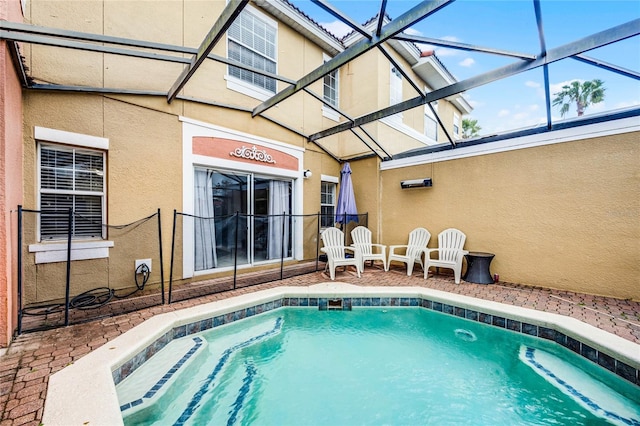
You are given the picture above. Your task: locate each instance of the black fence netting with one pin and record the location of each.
(109, 269)
(216, 254)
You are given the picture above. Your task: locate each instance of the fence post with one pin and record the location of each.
(68, 289)
(235, 253)
(319, 220)
(161, 262)
(173, 249)
(282, 247)
(19, 269)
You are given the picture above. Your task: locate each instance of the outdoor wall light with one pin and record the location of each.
(307, 174)
(416, 183)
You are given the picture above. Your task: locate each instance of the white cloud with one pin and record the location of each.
(532, 84)
(503, 113)
(411, 31)
(520, 116)
(337, 28)
(534, 107)
(467, 62)
(444, 52)
(599, 107)
(557, 87)
(626, 104)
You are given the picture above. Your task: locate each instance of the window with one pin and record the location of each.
(395, 91)
(327, 204)
(331, 86)
(456, 126)
(260, 232)
(252, 41)
(330, 89)
(430, 122)
(71, 178)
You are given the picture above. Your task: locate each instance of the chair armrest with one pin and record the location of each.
(394, 247)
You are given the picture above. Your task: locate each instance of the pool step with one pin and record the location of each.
(593, 395)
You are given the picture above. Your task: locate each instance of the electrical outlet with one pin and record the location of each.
(143, 261)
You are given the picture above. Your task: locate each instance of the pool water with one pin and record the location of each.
(299, 366)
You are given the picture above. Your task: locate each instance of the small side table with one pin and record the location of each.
(478, 267)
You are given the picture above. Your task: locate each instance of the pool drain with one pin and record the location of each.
(466, 335)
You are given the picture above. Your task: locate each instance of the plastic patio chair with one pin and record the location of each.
(450, 253)
(361, 237)
(333, 241)
(411, 252)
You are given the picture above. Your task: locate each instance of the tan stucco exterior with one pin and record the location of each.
(564, 216)
(559, 215)
(10, 177)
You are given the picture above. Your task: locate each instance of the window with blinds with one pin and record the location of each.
(330, 86)
(430, 123)
(71, 179)
(252, 41)
(327, 204)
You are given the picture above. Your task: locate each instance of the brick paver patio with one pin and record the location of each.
(30, 360)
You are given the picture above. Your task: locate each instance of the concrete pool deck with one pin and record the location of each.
(30, 361)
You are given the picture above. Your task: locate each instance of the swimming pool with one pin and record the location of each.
(405, 365)
(85, 391)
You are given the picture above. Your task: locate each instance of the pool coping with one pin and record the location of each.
(85, 392)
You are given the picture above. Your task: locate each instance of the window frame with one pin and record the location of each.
(243, 86)
(456, 125)
(74, 192)
(56, 251)
(334, 76)
(430, 118)
(395, 92)
(333, 181)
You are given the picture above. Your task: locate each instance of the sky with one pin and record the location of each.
(518, 101)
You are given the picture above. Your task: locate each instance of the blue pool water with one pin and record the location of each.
(373, 366)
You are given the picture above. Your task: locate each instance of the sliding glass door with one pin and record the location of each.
(261, 229)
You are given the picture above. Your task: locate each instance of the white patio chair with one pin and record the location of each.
(333, 241)
(412, 252)
(450, 253)
(361, 237)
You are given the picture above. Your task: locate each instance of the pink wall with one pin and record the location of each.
(10, 177)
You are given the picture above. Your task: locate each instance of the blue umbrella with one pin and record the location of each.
(346, 210)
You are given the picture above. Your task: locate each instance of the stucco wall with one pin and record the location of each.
(10, 178)
(562, 216)
(144, 174)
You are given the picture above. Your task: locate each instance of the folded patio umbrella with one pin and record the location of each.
(346, 210)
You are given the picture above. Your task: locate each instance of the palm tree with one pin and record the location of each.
(470, 128)
(583, 94)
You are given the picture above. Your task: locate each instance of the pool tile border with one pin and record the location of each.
(621, 369)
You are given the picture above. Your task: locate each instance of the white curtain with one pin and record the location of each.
(205, 229)
(278, 205)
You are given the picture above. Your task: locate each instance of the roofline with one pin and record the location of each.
(563, 125)
(291, 15)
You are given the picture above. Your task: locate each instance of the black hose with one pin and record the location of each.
(93, 298)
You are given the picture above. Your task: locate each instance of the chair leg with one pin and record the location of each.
(409, 268)
(456, 275)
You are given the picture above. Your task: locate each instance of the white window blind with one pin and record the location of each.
(331, 87)
(252, 41)
(71, 178)
(430, 122)
(395, 92)
(327, 204)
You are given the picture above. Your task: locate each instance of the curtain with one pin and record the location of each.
(278, 205)
(205, 230)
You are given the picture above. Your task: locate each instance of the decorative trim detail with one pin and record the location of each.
(253, 154)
